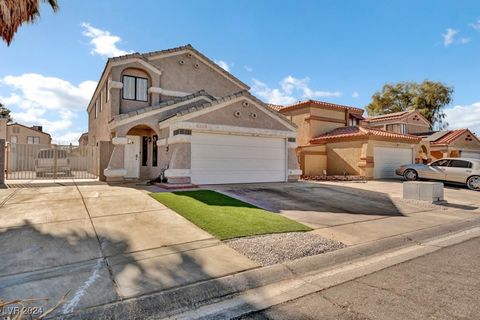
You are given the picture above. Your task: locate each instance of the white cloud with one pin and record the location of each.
(51, 102)
(355, 94)
(291, 90)
(464, 40)
(224, 65)
(104, 43)
(449, 36)
(476, 25)
(464, 116)
(248, 68)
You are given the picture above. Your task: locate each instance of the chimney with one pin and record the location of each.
(38, 128)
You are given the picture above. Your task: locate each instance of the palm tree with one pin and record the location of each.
(13, 13)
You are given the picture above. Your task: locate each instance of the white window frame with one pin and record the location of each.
(33, 140)
(135, 88)
(12, 138)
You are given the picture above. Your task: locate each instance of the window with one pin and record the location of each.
(100, 101)
(106, 91)
(353, 122)
(460, 164)
(144, 151)
(182, 131)
(154, 151)
(440, 163)
(33, 140)
(135, 88)
(403, 128)
(16, 130)
(13, 139)
(292, 140)
(96, 109)
(390, 127)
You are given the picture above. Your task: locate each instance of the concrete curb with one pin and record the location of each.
(177, 300)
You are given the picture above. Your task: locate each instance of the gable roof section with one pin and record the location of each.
(346, 133)
(189, 47)
(308, 103)
(145, 58)
(394, 116)
(451, 136)
(244, 93)
(29, 128)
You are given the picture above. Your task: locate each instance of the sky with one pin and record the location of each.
(335, 51)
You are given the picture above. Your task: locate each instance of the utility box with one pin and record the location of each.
(424, 191)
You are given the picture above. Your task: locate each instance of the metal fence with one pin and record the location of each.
(35, 161)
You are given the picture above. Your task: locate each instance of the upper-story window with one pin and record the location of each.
(403, 128)
(135, 88)
(33, 140)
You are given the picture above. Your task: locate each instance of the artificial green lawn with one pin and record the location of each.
(225, 217)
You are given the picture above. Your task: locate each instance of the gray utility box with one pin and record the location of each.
(424, 191)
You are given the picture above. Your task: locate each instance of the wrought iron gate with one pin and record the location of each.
(35, 161)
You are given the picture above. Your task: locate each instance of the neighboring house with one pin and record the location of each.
(20, 134)
(406, 122)
(452, 143)
(83, 140)
(178, 111)
(330, 141)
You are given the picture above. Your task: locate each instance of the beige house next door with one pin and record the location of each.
(132, 157)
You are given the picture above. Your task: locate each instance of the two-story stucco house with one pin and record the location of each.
(333, 140)
(20, 134)
(406, 122)
(178, 111)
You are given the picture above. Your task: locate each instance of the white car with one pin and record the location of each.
(461, 170)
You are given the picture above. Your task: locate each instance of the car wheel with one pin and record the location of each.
(410, 175)
(473, 183)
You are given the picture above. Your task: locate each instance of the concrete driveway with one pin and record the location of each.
(100, 244)
(355, 213)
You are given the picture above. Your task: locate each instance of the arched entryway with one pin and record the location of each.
(141, 152)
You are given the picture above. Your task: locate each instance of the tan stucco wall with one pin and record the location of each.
(327, 113)
(318, 128)
(188, 78)
(344, 157)
(225, 116)
(24, 133)
(3, 129)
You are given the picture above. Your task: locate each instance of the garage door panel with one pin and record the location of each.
(237, 159)
(238, 152)
(232, 164)
(386, 160)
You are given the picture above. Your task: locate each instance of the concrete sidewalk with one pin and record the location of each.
(101, 244)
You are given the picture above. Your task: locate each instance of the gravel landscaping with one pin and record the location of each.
(275, 248)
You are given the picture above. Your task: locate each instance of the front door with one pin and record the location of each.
(132, 157)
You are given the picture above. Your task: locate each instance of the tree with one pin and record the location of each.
(429, 98)
(13, 13)
(5, 113)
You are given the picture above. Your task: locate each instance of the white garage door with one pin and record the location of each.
(386, 160)
(218, 158)
(473, 155)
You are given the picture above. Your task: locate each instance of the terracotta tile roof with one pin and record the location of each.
(393, 116)
(450, 136)
(323, 104)
(344, 133)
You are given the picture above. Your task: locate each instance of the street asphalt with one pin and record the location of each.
(441, 285)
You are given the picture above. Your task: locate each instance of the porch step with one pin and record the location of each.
(176, 186)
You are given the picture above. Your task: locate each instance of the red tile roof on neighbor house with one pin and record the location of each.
(344, 133)
(393, 116)
(305, 103)
(451, 136)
